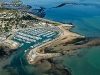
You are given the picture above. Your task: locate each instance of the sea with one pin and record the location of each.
(85, 16)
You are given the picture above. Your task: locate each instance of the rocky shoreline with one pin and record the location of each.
(57, 69)
(5, 52)
(71, 47)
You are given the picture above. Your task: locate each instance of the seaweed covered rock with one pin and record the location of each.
(4, 52)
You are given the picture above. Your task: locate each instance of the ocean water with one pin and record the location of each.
(88, 64)
(86, 21)
(84, 18)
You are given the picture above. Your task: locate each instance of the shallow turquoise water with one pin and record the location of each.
(88, 64)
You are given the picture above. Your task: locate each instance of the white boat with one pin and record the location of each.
(33, 40)
(28, 42)
(25, 51)
(51, 35)
(32, 46)
(21, 44)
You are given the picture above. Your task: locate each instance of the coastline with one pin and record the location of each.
(64, 36)
(77, 55)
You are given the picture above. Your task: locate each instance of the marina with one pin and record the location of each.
(34, 37)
